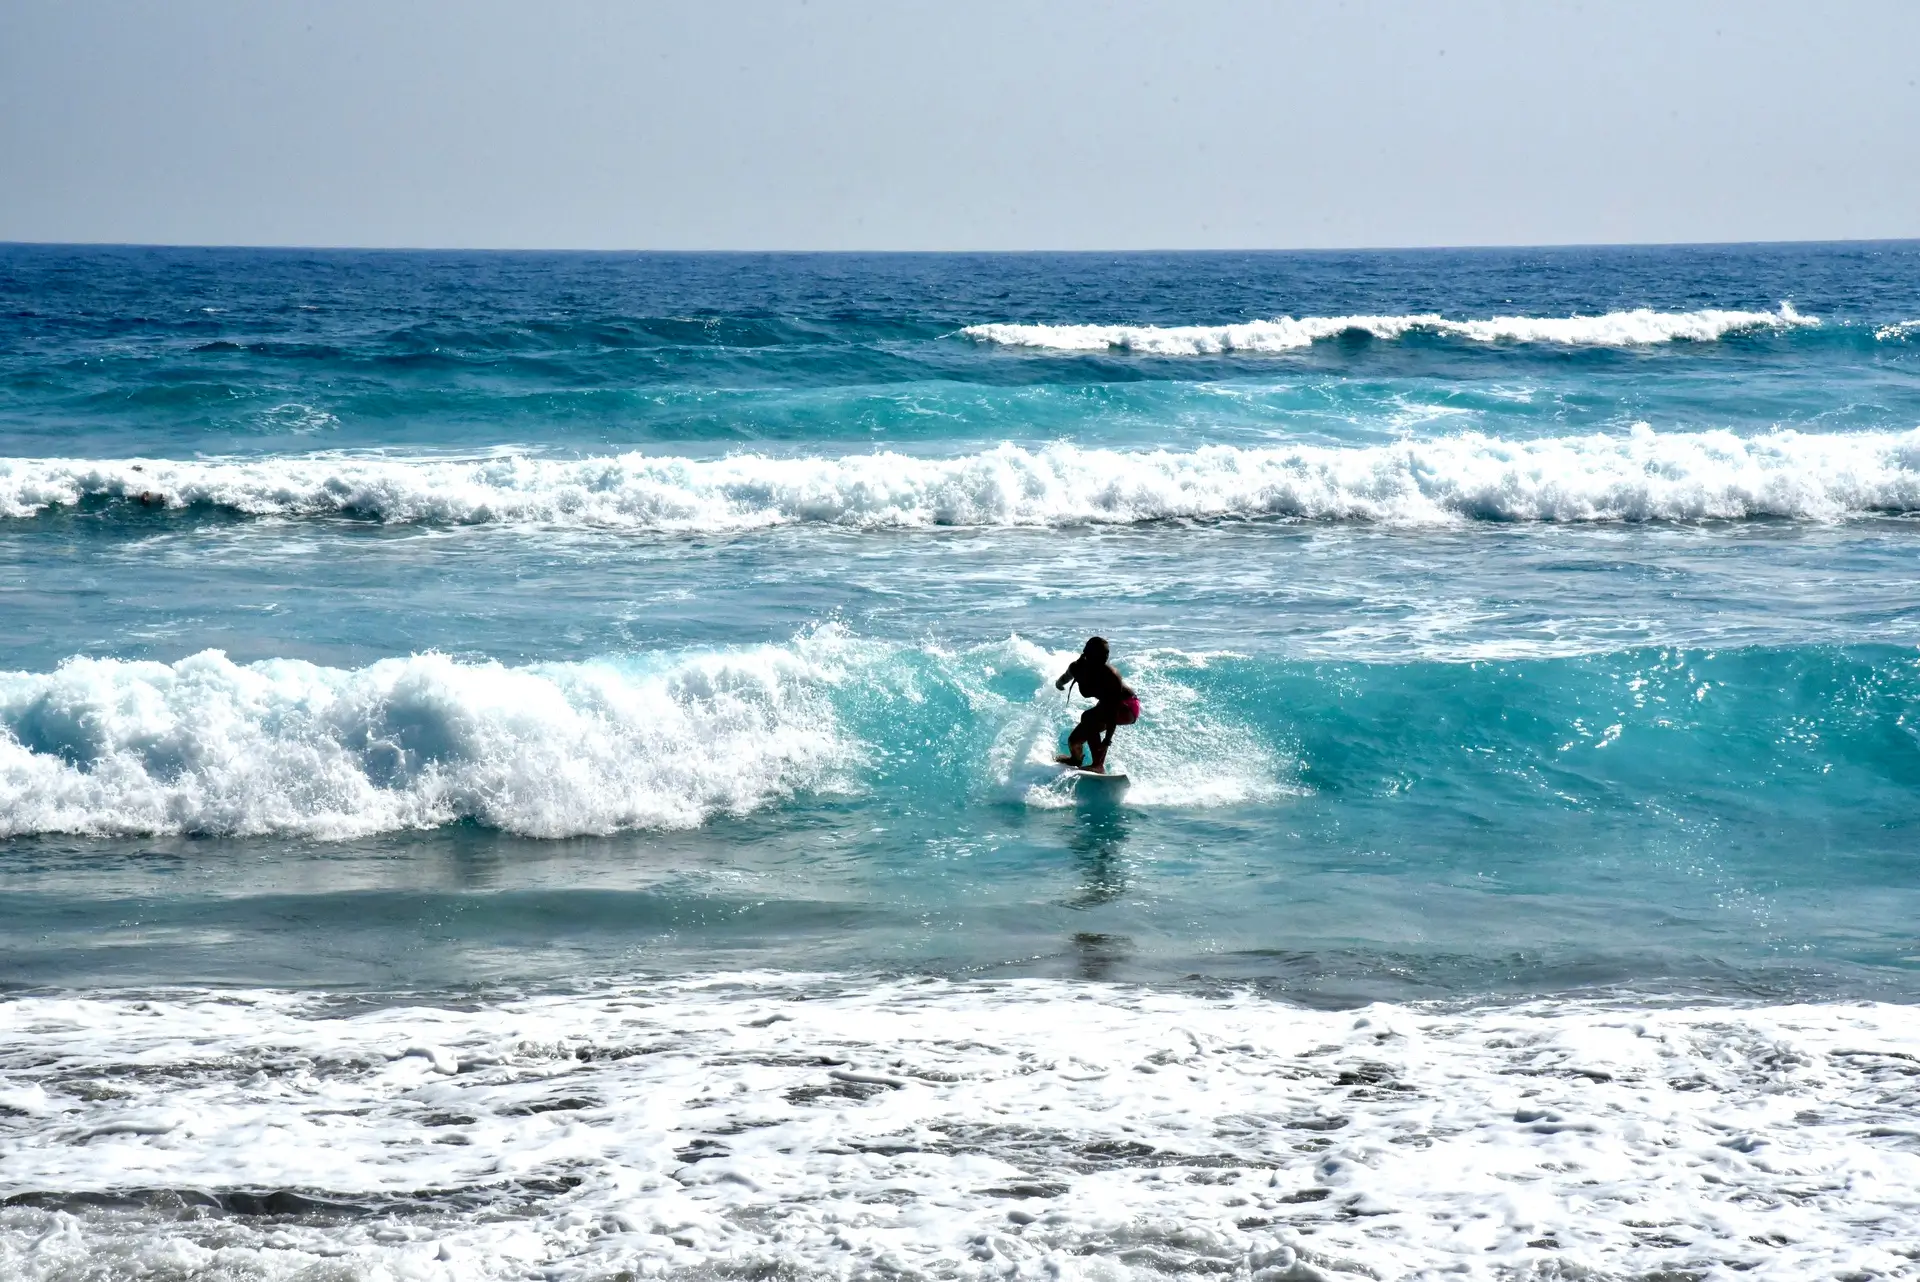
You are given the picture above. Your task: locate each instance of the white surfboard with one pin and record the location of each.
(1090, 786)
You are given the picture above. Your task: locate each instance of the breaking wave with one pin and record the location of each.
(670, 740)
(206, 745)
(1639, 476)
(1637, 328)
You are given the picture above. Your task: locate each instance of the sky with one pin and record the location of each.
(964, 124)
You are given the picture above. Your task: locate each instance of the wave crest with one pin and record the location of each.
(1641, 476)
(1637, 328)
(208, 746)
(205, 745)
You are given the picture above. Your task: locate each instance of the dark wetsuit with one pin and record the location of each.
(1116, 705)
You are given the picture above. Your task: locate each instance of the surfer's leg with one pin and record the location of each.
(1101, 742)
(1071, 757)
(1087, 733)
(1098, 725)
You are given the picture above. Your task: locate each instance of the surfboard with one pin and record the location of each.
(1085, 783)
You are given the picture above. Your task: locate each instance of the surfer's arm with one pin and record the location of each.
(1065, 677)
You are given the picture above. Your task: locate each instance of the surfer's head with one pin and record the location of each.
(1095, 649)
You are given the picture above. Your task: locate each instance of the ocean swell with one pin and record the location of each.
(1639, 327)
(1639, 476)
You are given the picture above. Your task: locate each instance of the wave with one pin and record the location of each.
(673, 740)
(662, 741)
(1637, 328)
(206, 745)
(1640, 476)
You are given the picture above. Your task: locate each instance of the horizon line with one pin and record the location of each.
(768, 252)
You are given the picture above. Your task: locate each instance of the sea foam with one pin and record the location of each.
(1637, 328)
(787, 1126)
(1641, 475)
(206, 745)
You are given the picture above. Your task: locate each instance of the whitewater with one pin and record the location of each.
(817, 1126)
(521, 765)
(1639, 475)
(209, 747)
(1637, 327)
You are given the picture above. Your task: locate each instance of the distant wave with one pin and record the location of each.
(1638, 328)
(1642, 476)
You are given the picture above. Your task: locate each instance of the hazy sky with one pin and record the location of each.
(969, 124)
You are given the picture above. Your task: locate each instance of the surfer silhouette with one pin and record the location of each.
(1115, 705)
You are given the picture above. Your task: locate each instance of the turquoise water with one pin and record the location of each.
(516, 617)
(538, 766)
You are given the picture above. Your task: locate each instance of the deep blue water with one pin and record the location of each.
(592, 614)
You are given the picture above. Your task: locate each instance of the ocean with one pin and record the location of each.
(530, 765)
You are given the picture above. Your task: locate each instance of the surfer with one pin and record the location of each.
(1115, 705)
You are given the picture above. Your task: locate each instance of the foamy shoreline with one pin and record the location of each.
(831, 1126)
